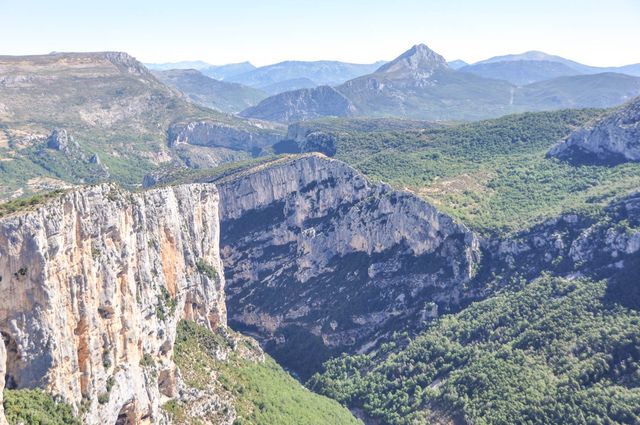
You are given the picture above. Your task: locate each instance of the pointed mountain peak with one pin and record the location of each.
(418, 60)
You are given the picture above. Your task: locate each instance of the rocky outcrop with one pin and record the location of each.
(94, 284)
(318, 260)
(125, 62)
(303, 140)
(572, 244)
(60, 140)
(301, 105)
(417, 63)
(615, 138)
(218, 134)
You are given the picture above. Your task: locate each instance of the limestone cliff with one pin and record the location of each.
(219, 134)
(3, 366)
(576, 245)
(318, 258)
(615, 138)
(93, 285)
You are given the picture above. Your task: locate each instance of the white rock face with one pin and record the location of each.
(93, 285)
(3, 365)
(616, 137)
(210, 133)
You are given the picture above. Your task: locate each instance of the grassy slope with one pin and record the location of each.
(493, 175)
(262, 392)
(556, 352)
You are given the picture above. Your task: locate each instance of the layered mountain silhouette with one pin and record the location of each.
(533, 66)
(420, 84)
(292, 75)
(220, 95)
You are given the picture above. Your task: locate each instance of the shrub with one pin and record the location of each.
(103, 398)
(36, 407)
(206, 269)
(147, 360)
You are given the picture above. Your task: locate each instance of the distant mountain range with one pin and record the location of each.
(279, 77)
(534, 66)
(223, 72)
(420, 84)
(202, 90)
(293, 75)
(457, 64)
(177, 65)
(448, 95)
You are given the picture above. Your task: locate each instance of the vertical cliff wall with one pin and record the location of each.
(318, 260)
(3, 366)
(93, 285)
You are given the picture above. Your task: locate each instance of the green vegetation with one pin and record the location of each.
(22, 204)
(493, 175)
(206, 269)
(35, 407)
(260, 390)
(147, 360)
(103, 398)
(556, 352)
(166, 304)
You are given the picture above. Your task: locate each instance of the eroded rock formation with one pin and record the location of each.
(615, 138)
(216, 134)
(318, 258)
(93, 285)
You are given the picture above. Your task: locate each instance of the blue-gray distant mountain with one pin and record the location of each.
(177, 65)
(202, 90)
(595, 91)
(289, 85)
(630, 69)
(223, 72)
(302, 105)
(457, 64)
(419, 84)
(580, 68)
(521, 72)
(288, 75)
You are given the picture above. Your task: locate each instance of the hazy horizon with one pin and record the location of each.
(357, 32)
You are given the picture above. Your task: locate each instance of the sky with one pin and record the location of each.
(594, 32)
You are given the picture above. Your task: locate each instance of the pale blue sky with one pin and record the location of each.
(594, 32)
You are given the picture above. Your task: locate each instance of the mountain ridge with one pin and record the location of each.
(112, 106)
(419, 84)
(222, 96)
